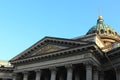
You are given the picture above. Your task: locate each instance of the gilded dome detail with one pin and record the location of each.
(101, 28)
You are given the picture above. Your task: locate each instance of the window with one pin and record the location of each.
(102, 31)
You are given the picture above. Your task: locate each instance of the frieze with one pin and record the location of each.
(41, 57)
(49, 48)
(47, 41)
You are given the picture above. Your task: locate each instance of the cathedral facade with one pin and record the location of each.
(94, 56)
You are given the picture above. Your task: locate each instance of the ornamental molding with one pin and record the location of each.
(70, 51)
(48, 40)
(6, 69)
(48, 49)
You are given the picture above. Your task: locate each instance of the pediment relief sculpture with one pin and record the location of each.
(49, 48)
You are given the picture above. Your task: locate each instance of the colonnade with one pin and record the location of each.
(90, 73)
(70, 72)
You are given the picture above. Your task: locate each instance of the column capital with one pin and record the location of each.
(87, 63)
(14, 74)
(38, 70)
(25, 72)
(95, 68)
(88, 67)
(69, 66)
(53, 68)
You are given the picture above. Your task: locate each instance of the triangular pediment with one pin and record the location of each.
(47, 45)
(48, 48)
(45, 49)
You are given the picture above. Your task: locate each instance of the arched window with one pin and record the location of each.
(109, 31)
(112, 33)
(102, 31)
(94, 31)
(105, 32)
(115, 33)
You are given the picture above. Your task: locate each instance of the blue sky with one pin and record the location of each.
(24, 22)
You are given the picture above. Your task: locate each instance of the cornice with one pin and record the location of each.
(48, 40)
(113, 54)
(85, 36)
(70, 51)
(6, 69)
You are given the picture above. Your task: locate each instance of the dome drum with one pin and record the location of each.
(107, 34)
(105, 31)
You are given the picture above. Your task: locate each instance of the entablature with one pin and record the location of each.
(46, 41)
(91, 47)
(6, 69)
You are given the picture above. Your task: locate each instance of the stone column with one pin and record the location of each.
(77, 76)
(53, 73)
(117, 74)
(14, 76)
(61, 77)
(69, 72)
(95, 74)
(101, 75)
(88, 71)
(25, 75)
(38, 74)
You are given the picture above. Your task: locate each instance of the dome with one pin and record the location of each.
(101, 28)
(106, 33)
